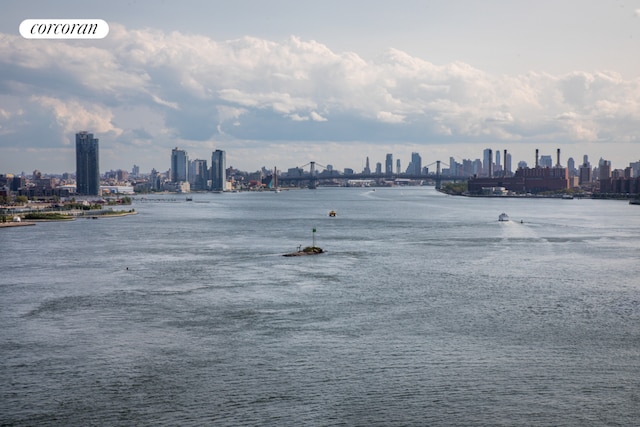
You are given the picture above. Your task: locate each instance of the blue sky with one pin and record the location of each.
(280, 83)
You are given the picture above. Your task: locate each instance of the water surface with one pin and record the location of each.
(425, 310)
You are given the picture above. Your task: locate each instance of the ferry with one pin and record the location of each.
(503, 217)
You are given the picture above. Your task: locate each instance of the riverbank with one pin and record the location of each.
(15, 224)
(30, 219)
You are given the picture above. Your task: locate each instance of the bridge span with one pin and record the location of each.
(314, 178)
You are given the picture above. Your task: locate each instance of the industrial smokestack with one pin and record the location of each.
(537, 165)
(558, 164)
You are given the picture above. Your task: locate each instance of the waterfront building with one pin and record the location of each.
(378, 168)
(218, 171)
(525, 180)
(87, 164)
(179, 165)
(198, 174)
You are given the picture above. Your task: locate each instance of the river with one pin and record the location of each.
(424, 310)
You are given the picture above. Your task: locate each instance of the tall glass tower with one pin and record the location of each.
(179, 165)
(87, 165)
(388, 164)
(416, 162)
(218, 170)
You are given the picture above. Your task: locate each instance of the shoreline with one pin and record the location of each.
(16, 224)
(10, 224)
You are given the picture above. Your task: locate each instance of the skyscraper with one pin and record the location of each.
(388, 164)
(218, 170)
(585, 171)
(198, 174)
(416, 164)
(571, 165)
(87, 164)
(179, 165)
(487, 162)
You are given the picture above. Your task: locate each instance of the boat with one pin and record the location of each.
(634, 202)
(503, 217)
(332, 213)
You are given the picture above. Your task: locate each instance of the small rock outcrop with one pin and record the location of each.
(309, 250)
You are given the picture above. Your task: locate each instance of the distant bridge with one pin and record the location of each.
(327, 175)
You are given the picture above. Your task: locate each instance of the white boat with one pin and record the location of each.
(503, 217)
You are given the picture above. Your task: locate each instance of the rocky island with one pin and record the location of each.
(309, 250)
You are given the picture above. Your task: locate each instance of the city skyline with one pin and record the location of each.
(332, 82)
(181, 159)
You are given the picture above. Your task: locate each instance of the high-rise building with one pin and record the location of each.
(546, 161)
(388, 164)
(487, 162)
(218, 171)
(416, 163)
(604, 169)
(87, 164)
(585, 171)
(198, 174)
(367, 169)
(179, 165)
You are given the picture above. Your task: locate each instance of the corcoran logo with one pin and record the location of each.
(64, 29)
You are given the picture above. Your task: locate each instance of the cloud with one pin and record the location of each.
(73, 116)
(147, 86)
(388, 117)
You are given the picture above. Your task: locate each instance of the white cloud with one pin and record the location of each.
(388, 117)
(74, 116)
(317, 117)
(203, 90)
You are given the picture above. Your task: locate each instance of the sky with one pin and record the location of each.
(281, 83)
